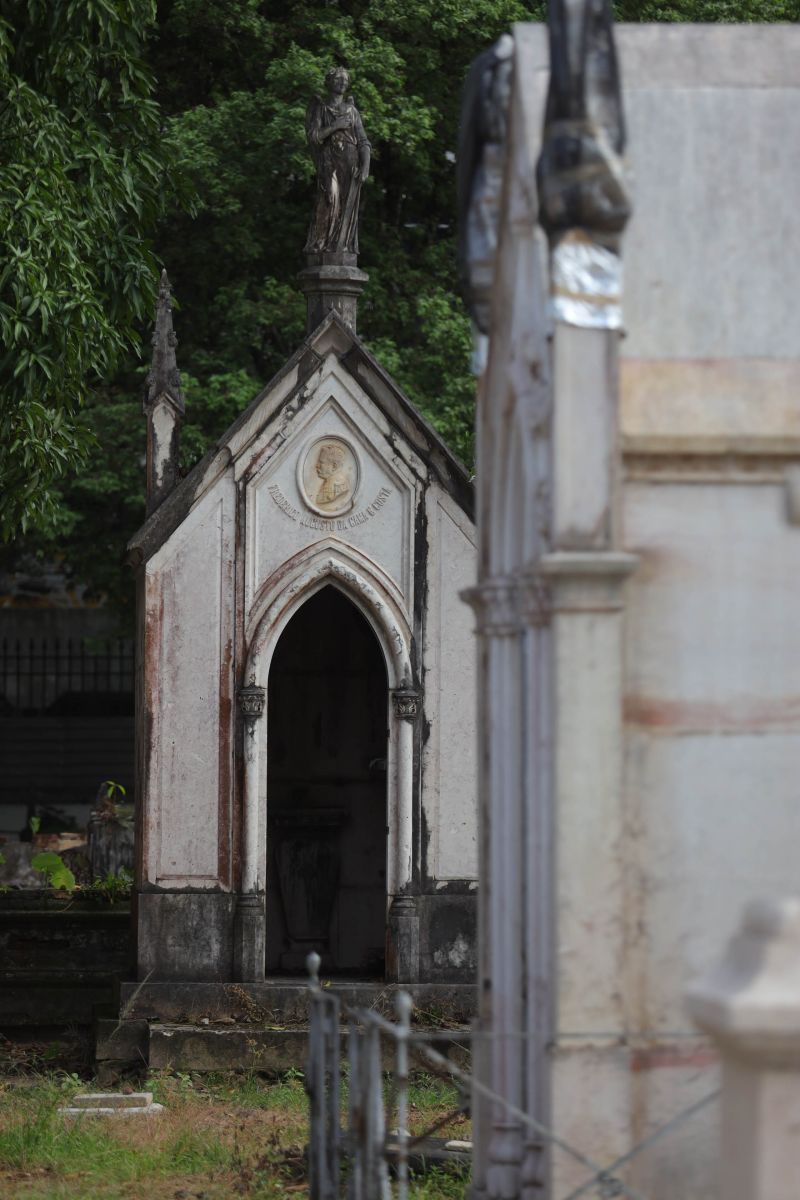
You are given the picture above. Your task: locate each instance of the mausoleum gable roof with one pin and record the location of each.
(330, 336)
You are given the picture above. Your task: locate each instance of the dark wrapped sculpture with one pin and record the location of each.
(580, 173)
(481, 157)
(583, 200)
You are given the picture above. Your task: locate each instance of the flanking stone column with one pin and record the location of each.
(585, 572)
(402, 933)
(750, 1006)
(250, 933)
(549, 594)
(496, 602)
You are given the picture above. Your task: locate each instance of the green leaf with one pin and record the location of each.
(55, 869)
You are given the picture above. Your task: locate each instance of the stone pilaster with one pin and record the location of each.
(402, 932)
(496, 602)
(250, 926)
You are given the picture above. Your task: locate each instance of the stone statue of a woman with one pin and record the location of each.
(341, 155)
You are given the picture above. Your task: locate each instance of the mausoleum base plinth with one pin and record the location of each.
(402, 959)
(243, 1026)
(249, 945)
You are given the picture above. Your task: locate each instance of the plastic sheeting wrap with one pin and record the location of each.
(586, 283)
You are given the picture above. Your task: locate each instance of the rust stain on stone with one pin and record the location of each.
(741, 715)
(225, 733)
(672, 1056)
(150, 731)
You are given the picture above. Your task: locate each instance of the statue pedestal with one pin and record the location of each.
(332, 282)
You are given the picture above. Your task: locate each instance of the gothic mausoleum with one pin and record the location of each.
(305, 681)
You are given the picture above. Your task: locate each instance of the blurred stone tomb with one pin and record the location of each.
(636, 592)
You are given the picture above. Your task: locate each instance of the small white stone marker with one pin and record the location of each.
(111, 1104)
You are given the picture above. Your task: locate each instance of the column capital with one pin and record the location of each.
(407, 703)
(495, 602)
(252, 700)
(535, 600)
(586, 580)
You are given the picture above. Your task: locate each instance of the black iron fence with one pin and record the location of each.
(66, 677)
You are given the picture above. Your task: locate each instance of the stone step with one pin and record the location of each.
(287, 1003)
(121, 1041)
(247, 1026)
(226, 1048)
(136, 1045)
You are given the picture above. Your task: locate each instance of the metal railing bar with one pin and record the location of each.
(354, 1114)
(443, 1035)
(368, 1142)
(456, 1035)
(655, 1136)
(627, 1035)
(404, 1005)
(601, 1175)
(368, 1016)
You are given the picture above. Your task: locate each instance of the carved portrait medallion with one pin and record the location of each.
(328, 476)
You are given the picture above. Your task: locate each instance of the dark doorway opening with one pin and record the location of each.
(326, 792)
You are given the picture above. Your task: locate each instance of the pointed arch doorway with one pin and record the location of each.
(326, 790)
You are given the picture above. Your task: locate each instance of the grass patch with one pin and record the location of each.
(439, 1184)
(225, 1139)
(220, 1136)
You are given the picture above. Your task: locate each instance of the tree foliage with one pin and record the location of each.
(81, 182)
(234, 78)
(240, 119)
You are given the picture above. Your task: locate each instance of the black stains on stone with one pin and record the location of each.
(421, 548)
(448, 937)
(418, 665)
(186, 935)
(425, 842)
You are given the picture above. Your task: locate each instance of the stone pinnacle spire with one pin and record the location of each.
(163, 404)
(164, 378)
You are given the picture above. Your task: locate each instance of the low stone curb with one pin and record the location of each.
(111, 1104)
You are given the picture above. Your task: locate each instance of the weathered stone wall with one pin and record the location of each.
(711, 735)
(59, 958)
(449, 824)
